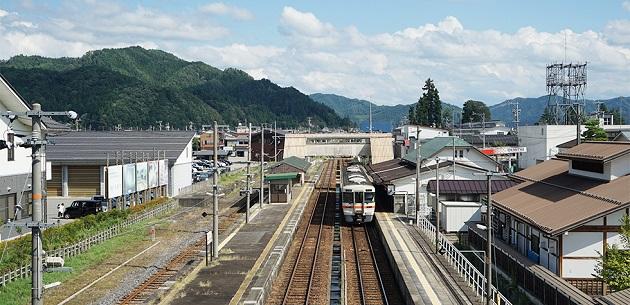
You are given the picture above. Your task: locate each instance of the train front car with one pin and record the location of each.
(357, 195)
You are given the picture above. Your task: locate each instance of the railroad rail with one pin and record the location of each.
(305, 275)
(369, 278)
(146, 290)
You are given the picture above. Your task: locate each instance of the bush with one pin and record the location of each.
(18, 250)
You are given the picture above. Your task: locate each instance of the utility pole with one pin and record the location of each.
(370, 116)
(37, 259)
(275, 141)
(454, 155)
(215, 195)
(261, 194)
(437, 205)
(483, 122)
(577, 122)
(488, 256)
(37, 150)
(417, 175)
(249, 175)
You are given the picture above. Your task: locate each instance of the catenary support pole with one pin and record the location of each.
(248, 187)
(437, 205)
(418, 175)
(489, 243)
(215, 195)
(37, 260)
(261, 194)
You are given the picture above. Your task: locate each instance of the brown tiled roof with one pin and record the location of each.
(616, 298)
(470, 186)
(555, 202)
(599, 151)
(386, 172)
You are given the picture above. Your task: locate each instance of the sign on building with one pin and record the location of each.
(163, 172)
(129, 178)
(141, 176)
(153, 173)
(114, 181)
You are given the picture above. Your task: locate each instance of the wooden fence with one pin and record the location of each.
(86, 244)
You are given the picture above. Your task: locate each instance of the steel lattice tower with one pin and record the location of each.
(569, 80)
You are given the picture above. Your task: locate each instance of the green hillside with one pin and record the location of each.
(135, 87)
(383, 116)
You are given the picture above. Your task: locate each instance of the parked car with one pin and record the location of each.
(80, 208)
(103, 202)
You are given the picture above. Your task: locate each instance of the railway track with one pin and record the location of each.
(369, 278)
(146, 290)
(305, 276)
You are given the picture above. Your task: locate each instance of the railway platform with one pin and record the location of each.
(240, 255)
(421, 279)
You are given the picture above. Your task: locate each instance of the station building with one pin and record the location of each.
(79, 158)
(376, 147)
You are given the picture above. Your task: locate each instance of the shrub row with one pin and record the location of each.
(18, 251)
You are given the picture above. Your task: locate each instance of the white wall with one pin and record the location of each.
(22, 162)
(181, 171)
(620, 167)
(541, 141)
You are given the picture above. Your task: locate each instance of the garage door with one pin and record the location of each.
(83, 181)
(54, 186)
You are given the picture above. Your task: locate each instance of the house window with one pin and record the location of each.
(535, 244)
(461, 153)
(11, 144)
(240, 153)
(594, 167)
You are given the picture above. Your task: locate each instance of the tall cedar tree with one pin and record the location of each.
(428, 111)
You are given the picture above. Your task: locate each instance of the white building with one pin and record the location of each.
(397, 177)
(376, 147)
(566, 211)
(541, 142)
(15, 161)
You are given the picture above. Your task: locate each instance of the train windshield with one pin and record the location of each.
(347, 197)
(358, 197)
(369, 196)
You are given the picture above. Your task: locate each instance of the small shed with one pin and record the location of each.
(280, 186)
(455, 214)
(295, 165)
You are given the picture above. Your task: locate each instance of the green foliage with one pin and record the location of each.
(135, 87)
(18, 250)
(594, 132)
(474, 111)
(614, 265)
(546, 117)
(428, 110)
(196, 145)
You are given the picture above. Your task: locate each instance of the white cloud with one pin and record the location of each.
(222, 9)
(316, 56)
(3, 13)
(626, 5)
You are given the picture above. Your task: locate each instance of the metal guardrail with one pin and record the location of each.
(462, 265)
(86, 244)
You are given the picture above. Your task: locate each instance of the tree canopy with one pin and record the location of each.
(428, 109)
(594, 132)
(135, 87)
(614, 264)
(474, 111)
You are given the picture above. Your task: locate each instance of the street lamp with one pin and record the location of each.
(38, 149)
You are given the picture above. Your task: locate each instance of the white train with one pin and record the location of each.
(357, 195)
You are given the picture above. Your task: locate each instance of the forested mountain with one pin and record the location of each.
(136, 87)
(532, 108)
(384, 117)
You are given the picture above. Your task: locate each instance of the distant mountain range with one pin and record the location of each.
(136, 87)
(384, 117)
(532, 108)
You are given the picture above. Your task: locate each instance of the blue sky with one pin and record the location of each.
(382, 51)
